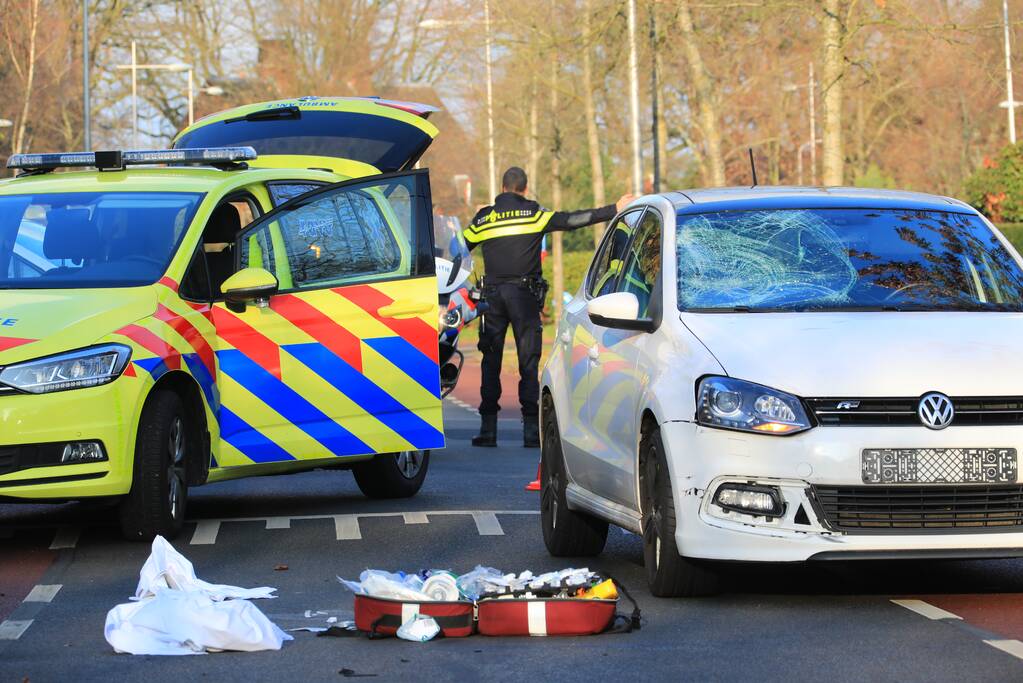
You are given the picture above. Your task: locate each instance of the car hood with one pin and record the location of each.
(868, 354)
(36, 323)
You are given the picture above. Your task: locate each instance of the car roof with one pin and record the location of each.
(784, 197)
(157, 179)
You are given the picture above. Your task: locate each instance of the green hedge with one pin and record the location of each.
(1014, 231)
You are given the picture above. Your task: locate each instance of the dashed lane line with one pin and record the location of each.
(14, 629)
(65, 538)
(1006, 645)
(43, 593)
(347, 528)
(487, 524)
(926, 609)
(206, 532)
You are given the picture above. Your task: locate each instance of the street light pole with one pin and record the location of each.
(492, 171)
(637, 169)
(191, 106)
(134, 99)
(86, 107)
(1009, 103)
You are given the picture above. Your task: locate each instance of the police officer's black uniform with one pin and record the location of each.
(510, 233)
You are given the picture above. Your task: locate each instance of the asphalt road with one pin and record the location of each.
(834, 621)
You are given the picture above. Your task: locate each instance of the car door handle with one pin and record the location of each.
(400, 309)
(594, 353)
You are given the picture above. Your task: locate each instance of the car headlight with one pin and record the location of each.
(729, 403)
(75, 370)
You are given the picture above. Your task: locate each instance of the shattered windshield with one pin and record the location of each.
(843, 259)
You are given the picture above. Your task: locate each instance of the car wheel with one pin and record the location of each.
(155, 506)
(668, 573)
(392, 475)
(566, 533)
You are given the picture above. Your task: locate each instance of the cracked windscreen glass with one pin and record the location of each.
(843, 259)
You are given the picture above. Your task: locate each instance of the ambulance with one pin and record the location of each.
(260, 299)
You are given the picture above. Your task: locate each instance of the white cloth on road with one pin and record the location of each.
(175, 613)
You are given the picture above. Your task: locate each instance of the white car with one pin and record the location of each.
(788, 374)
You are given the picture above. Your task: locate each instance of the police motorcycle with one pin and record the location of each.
(460, 300)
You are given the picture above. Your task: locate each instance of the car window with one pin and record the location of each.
(283, 191)
(90, 239)
(608, 263)
(643, 262)
(337, 237)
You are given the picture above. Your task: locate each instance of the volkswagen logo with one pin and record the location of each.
(936, 410)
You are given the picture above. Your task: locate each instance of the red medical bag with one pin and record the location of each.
(383, 617)
(544, 616)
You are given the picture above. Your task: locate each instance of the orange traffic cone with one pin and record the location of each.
(535, 485)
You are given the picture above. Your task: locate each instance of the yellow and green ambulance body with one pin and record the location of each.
(273, 312)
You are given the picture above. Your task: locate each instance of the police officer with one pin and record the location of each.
(511, 233)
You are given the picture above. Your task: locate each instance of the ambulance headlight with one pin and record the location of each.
(75, 370)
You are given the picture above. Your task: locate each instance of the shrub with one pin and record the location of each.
(996, 188)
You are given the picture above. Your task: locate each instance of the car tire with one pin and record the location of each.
(155, 506)
(392, 475)
(566, 533)
(669, 574)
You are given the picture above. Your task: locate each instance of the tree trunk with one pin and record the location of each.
(592, 136)
(533, 142)
(706, 98)
(833, 158)
(556, 244)
(30, 70)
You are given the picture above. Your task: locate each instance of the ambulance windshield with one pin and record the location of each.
(90, 239)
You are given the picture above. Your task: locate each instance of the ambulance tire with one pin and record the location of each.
(155, 506)
(668, 573)
(392, 475)
(566, 533)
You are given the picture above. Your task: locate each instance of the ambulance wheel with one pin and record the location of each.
(156, 504)
(566, 533)
(668, 573)
(392, 475)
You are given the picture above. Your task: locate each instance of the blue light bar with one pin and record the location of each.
(205, 156)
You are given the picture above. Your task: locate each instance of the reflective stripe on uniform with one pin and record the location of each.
(507, 224)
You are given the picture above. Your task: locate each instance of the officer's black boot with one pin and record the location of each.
(488, 432)
(531, 431)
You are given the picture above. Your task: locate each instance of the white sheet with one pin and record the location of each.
(176, 613)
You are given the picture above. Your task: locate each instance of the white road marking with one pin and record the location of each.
(66, 537)
(1012, 647)
(206, 532)
(43, 593)
(926, 609)
(347, 527)
(415, 517)
(487, 524)
(12, 630)
(278, 523)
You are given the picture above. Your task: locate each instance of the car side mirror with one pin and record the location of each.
(249, 285)
(618, 310)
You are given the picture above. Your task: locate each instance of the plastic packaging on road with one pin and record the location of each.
(381, 584)
(419, 629)
(176, 613)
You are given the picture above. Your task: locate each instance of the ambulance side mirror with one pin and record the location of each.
(249, 285)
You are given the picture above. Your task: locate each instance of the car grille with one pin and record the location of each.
(919, 509)
(901, 412)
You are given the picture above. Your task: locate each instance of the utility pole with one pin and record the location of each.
(810, 87)
(1009, 103)
(490, 105)
(86, 107)
(134, 99)
(637, 168)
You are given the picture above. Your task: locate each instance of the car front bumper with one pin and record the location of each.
(701, 459)
(108, 414)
